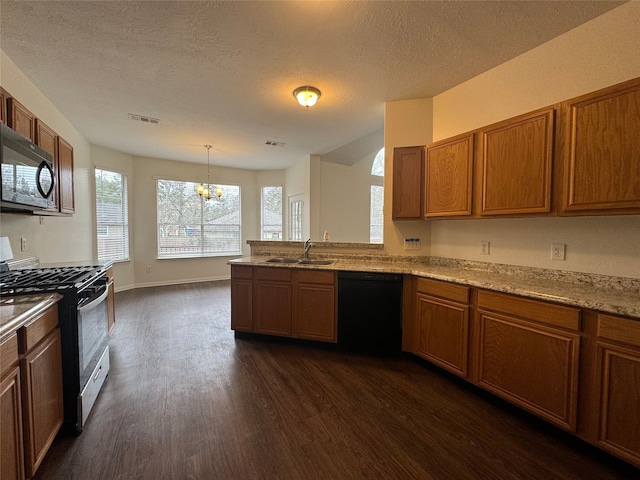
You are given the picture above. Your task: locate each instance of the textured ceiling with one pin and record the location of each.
(222, 73)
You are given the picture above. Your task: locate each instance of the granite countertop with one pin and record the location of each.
(615, 295)
(17, 311)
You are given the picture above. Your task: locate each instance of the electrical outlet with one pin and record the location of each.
(148, 268)
(484, 247)
(23, 244)
(557, 251)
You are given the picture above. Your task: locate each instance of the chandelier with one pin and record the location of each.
(205, 190)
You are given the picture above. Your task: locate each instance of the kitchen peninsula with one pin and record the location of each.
(564, 346)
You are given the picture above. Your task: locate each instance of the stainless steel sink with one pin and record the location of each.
(309, 261)
(299, 261)
(282, 260)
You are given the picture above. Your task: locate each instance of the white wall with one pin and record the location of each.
(406, 123)
(52, 239)
(598, 54)
(602, 52)
(345, 193)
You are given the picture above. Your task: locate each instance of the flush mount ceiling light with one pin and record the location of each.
(205, 191)
(307, 96)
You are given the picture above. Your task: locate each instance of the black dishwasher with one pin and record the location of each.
(370, 312)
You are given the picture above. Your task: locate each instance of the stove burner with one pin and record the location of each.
(45, 279)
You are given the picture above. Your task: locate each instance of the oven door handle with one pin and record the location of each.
(84, 309)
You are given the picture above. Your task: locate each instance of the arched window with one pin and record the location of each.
(376, 219)
(377, 169)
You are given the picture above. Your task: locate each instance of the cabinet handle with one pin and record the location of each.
(95, 377)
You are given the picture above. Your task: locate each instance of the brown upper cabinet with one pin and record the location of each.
(448, 177)
(408, 166)
(47, 140)
(20, 119)
(602, 151)
(66, 200)
(3, 105)
(516, 165)
(29, 126)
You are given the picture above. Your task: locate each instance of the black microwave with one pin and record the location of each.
(27, 173)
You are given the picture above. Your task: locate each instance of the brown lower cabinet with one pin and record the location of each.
(41, 370)
(315, 305)
(443, 324)
(241, 298)
(295, 303)
(31, 405)
(618, 385)
(528, 353)
(577, 369)
(273, 301)
(12, 464)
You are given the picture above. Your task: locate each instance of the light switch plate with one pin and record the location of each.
(412, 244)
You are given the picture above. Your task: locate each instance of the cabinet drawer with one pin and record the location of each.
(8, 353)
(450, 291)
(538, 311)
(314, 276)
(241, 272)
(619, 329)
(31, 334)
(275, 274)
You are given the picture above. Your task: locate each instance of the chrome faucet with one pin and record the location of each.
(307, 246)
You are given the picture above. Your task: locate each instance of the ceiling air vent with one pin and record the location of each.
(273, 143)
(143, 119)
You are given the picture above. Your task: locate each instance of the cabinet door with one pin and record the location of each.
(12, 464)
(618, 374)
(619, 430)
(41, 370)
(47, 139)
(517, 164)
(242, 305)
(20, 119)
(448, 177)
(65, 177)
(315, 306)
(273, 308)
(530, 365)
(3, 105)
(603, 150)
(408, 167)
(443, 336)
(242, 298)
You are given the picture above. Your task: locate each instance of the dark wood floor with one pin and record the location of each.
(186, 400)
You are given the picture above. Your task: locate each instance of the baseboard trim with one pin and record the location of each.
(171, 282)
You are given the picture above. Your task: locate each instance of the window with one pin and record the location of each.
(376, 218)
(112, 215)
(191, 226)
(377, 169)
(271, 213)
(296, 203)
